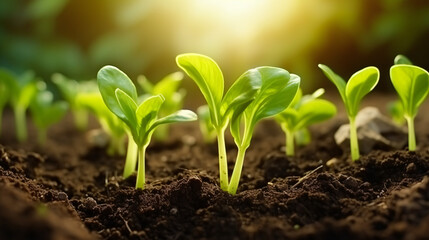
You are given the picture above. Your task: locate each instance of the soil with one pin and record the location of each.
(70, 190)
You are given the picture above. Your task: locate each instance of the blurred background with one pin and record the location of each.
(77, 37)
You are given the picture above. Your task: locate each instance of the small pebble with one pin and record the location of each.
(173, 211)
(90, 203)
(62, 196)
(411, 168)
(189, 140)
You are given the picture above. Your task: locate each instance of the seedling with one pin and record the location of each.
(5, 77)
(412, 84)
(46, 112)
(22, 90)
(395, 108)
(120, 96)
(207, 75)
(169, 88)
(305, 112)
(352, 92)
(69, 89)
(206, 126)
(277, 91)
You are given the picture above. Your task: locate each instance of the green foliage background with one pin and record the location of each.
(77, 37)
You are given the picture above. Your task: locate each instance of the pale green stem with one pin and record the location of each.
(21, 124)
(236, 174)
(140, 183)
(131, 159)
(80, 119)
(354, 144)
(411, 134)
(42, 136)
(223, 162)
(290, 143)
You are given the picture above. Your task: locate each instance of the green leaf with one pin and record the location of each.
(401, 59)
(277, 92)
(127, 107)
(168, 85)
(109, 79)
(317, 110)
(147, 112)
(412, 84)
(179, 116)
(207, 75)
(288, 119)
(336, 79)
(241, 93)
(359, 85)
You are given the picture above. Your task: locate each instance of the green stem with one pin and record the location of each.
(80, 119)
(236, 174)
(42, 136)
(21, 124)
(290, 143)
(354, 144)
(131, 159)
(141, 168)
(223, 162)
(411, 134)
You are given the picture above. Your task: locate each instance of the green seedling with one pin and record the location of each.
(45, 112)
(169, 88)
(120, 96)
(5, 77)
(277, 91)
(306, 111)
(412, 85)
(69, 89)
(395, 108)
(352, 92)
(206, 126)
(114, 127)
(22, 90)
(209, 78)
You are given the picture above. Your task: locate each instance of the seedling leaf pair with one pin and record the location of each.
(120, 96)
(412, 84)
(352, 92)
(303, 112)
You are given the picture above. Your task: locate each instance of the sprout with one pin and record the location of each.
(69, 89)
(168, 87)
(22, 90)
(302, 113)
(396, 111)
(277, 91)
(5, 77)
(114, 127)
(412, 84)
(207, 75)
(352, 92)
(120, 96)
(46, 112)
(206, 126)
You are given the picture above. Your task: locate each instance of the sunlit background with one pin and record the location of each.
(77, 37)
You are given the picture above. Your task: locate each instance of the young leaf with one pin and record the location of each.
(401, 59)
(352, 92)
(120, 96)
(111, 78)
(278, 89)
(206, 126)
(46, 112)
(412, 84)
(208, 77)
(359, 85)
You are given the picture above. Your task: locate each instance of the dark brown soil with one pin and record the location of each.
(68, 190)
